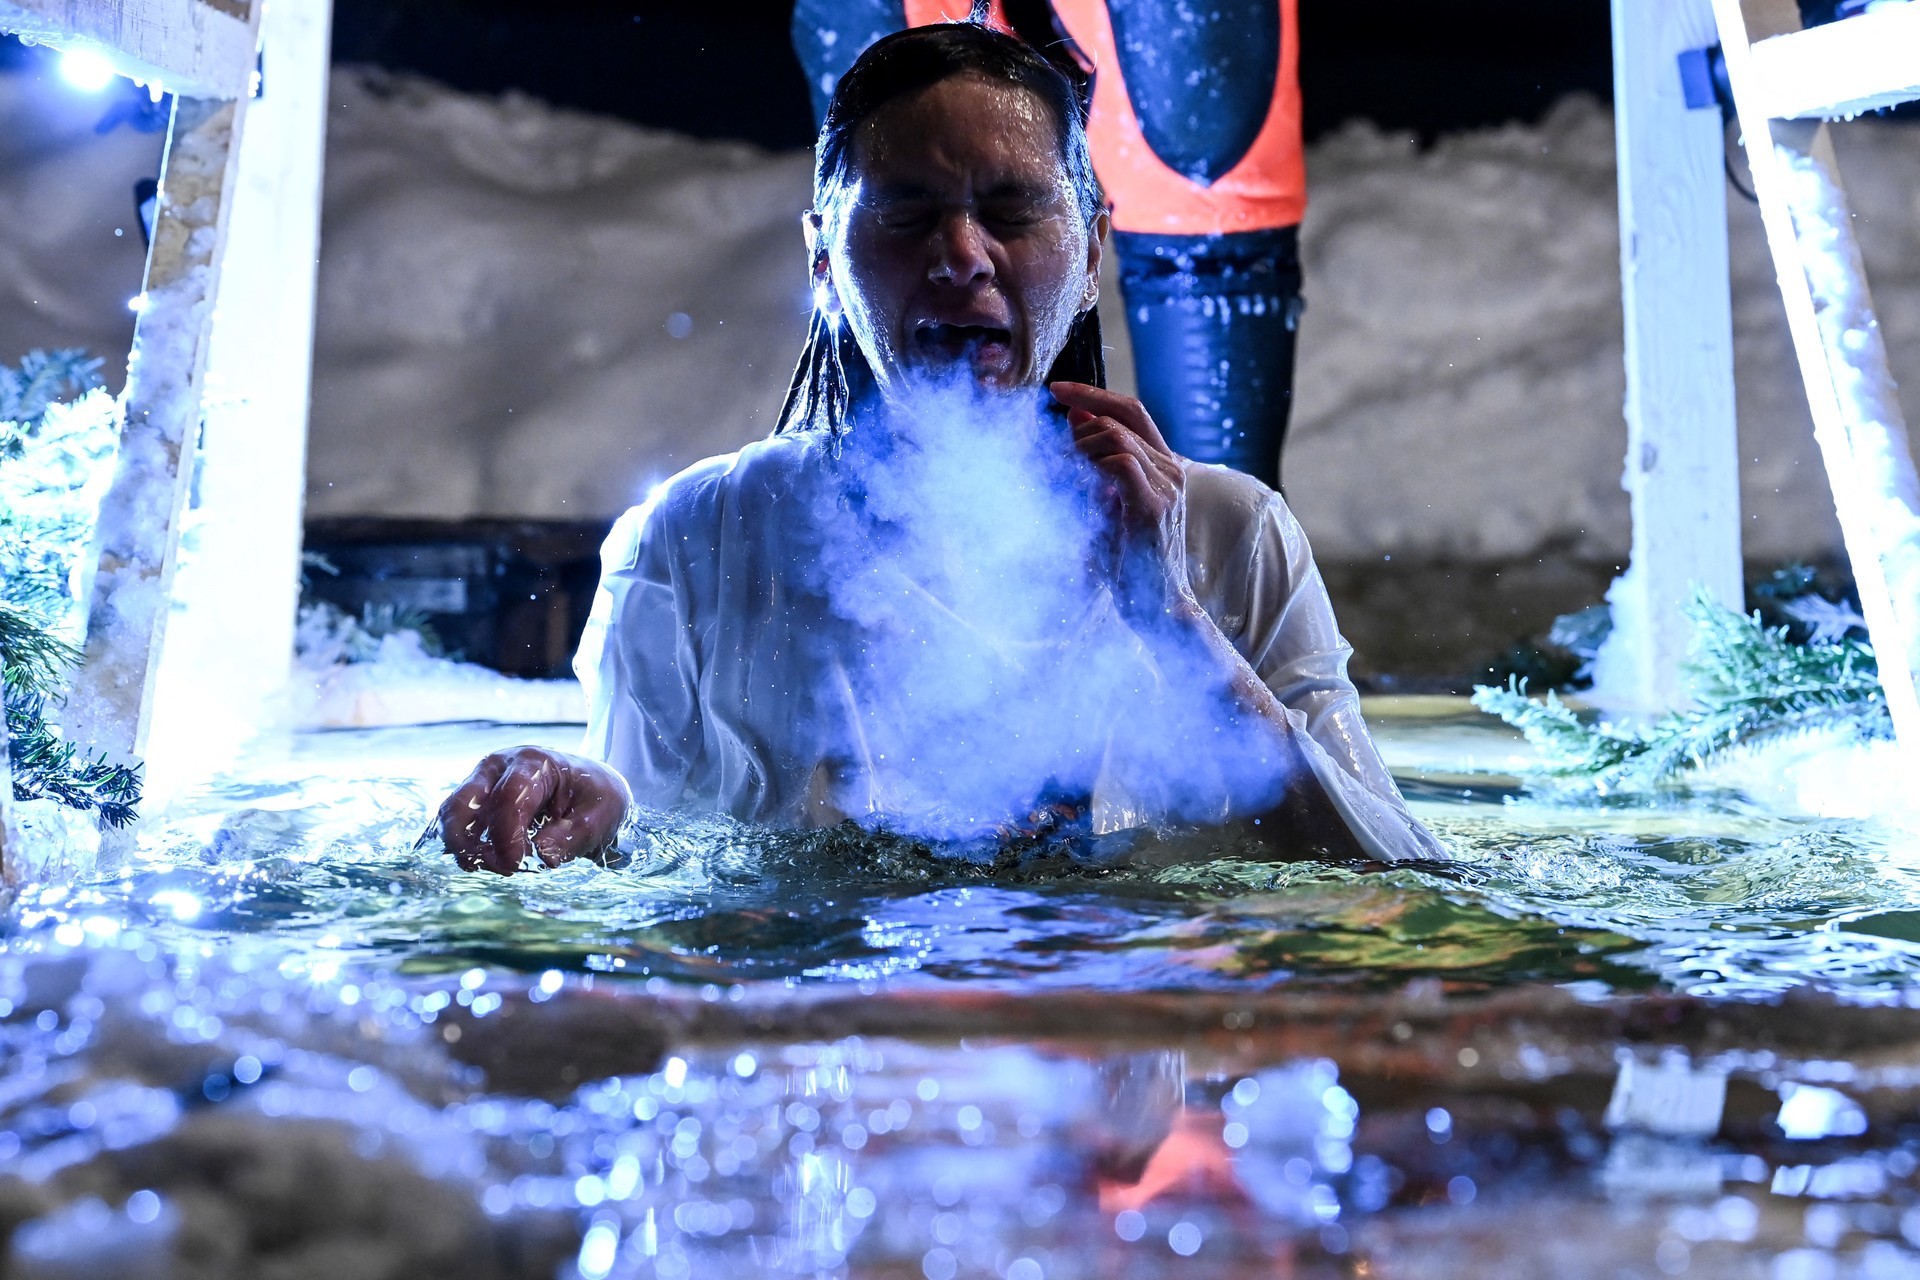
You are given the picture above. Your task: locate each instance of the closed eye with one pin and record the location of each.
(1020, 215)
(907, 221)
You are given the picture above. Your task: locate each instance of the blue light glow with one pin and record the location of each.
(86, 70)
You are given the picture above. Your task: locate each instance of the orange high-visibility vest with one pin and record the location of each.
(924, 13)
(1266, 189)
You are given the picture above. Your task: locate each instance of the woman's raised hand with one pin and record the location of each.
(532, 800)
(1145, 490)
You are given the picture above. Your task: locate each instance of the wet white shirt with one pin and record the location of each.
(719, 673)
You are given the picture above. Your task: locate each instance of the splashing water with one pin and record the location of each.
(309, 856)
(739, 1051)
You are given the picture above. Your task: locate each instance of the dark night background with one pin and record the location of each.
(725, 68)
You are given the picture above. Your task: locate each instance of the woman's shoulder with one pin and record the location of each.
(1227, 509)
(723, 480)
(1246, 553)
(698, 497)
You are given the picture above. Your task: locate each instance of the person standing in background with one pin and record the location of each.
(1196, 138)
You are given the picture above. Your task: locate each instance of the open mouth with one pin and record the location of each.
(948, 342)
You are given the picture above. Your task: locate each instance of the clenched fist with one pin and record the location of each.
(532, 800)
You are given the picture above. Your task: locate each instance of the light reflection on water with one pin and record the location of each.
(267, 1033)
(164, 1111)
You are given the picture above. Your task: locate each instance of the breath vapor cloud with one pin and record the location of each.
(965, 545)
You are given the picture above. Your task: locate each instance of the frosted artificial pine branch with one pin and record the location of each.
(42, 380)
(1750, 682)
(57, 431)
(33, 661)
(47, 767)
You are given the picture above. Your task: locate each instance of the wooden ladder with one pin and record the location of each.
(1787, 85)
(208, 53)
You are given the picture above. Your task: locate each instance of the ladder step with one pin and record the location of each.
(1841, 69)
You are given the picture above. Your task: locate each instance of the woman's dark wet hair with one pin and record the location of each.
(833, 376)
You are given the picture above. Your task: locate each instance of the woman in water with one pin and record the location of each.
(963, 584)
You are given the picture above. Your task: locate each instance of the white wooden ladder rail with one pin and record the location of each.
(1682, 464)
(1786, 86)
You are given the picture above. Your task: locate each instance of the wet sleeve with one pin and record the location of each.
(637, 664)
(1290, 638)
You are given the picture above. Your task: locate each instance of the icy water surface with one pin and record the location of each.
(313, 853)
(1617, 1038)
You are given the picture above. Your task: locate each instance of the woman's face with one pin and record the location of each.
(958, 241)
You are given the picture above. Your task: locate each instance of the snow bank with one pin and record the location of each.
(1823, 773)
(1465, 322)
(402, 687)
(527, 312)
(532, 312)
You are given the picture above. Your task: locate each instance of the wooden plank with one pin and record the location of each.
(138, 536)
(195, 48)
(1683, 464)
(1857, 420)
(1840, 69)
(229, 652)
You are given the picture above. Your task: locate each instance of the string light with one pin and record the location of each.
(86, 70)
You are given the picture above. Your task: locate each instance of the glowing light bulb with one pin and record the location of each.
(86, 70)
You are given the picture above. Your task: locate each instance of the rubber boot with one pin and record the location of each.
(1213, 320)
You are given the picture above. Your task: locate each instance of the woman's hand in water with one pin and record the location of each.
(489, 821)
(1145, 491)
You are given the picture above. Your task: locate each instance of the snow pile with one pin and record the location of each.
(1465, 322)
(527, 312)
(346, 676)
(402, 687)
(532, 312)
(1823, 773)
